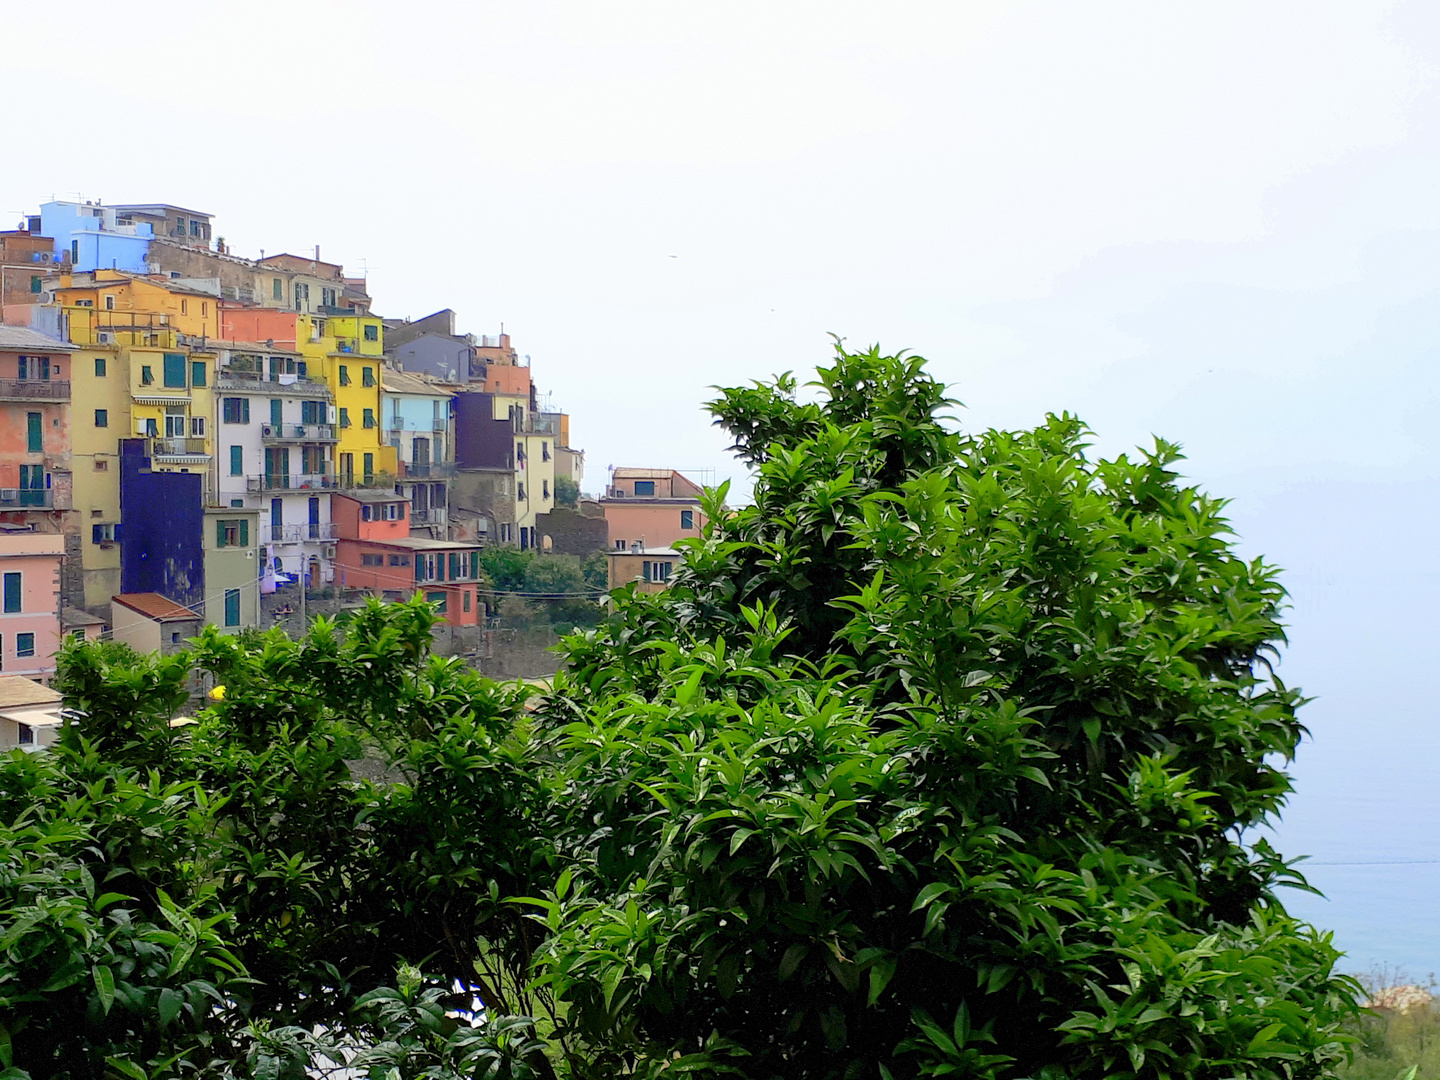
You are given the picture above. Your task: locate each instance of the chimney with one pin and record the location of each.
(504, 341)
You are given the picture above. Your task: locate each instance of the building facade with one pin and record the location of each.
(651, 507)
(30, 612)
(417, 415)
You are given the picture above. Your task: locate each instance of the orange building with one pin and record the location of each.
(375, 551)
(651, 507)
(35, 474)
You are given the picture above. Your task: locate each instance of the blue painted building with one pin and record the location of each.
(162, 516)
(91, 237)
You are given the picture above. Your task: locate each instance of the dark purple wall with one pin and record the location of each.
(162, 516)
(481, 441)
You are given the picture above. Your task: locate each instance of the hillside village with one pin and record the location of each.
(191, 437)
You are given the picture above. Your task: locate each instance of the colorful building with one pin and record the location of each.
(149, 622)
(26, 263)
(375, 552)
(650, 569)
(34, 429)
(30, 612)
(416, 411)
(651, 507)
(89, 236)
(230, 539)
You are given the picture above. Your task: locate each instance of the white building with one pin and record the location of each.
(275, 441)
(416, 411)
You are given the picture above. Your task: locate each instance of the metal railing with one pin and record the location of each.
(260, 383)
(434, 516)
(35, 389)
(430, 470)
(175, 445)
(27, 498)
(298, 534)
(317, 481)
(298, 432)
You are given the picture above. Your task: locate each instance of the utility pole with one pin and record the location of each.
(304, 573)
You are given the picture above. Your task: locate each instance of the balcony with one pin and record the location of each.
(34, 389)
(428, 470)
(258, 383)
(298, 534)
(178, 447)
(317, 481)
(297, 432)
(26, 499)
(292, 482)
(434, 516)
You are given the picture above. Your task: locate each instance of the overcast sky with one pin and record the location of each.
(1212, 221)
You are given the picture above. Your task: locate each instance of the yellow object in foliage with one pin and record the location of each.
(218, 694)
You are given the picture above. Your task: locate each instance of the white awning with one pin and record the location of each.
(43, 717)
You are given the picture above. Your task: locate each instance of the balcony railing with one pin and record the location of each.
(26, 498)
(317, 481)
(298, 432)
(259, 383)
(177, 446)
(298, 534)
(430, 470)
(35, 389)
(434, 516)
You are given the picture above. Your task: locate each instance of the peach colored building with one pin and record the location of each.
(35, 476)
(375, 551)
(30, 612)
(651, 507)
(649, 568)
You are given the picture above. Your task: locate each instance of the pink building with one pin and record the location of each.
(30, 612)
(651, 507)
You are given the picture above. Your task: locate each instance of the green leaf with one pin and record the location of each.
(104, 986)
(170, 1004)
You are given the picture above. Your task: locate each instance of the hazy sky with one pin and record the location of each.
(1213, 221)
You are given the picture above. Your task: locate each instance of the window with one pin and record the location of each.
(235, 410)
(12, 593)
(276, 414)
(438, 599)
(197, 372)
(312, 412)
(369, 415)
(74, 251)
(101, 465)
(197, 427)
(146, 375)
(344, 375)
(367, 376)
(233, 533)
(204, 308)
(327, 296)
(109, 303)
(687, 519)
(237, 502)
(544, 451)
(657, 571)
(34, 367)
(35, 283)
(520, 490)
(622, 545)
(399, 560)
(644, 487)
(544, 489)
(180, 226)
(194, 227)
(99, 367)
(466, 597)
(372, 333)
(175, 370)
(232, 607)
(344, 416)
(369, 462)
(24, 644)
(184, 307)
(372, 560)
(102, 418)
(174, 424)
(34, 433)
(151, 430)
(237, 461)
(454, 565)
(277, 289)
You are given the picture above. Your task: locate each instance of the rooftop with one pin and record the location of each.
(405, 382)
(142, 207)
(421, 543)
(18, 690)
(15, 338)
(154, 606)
(70, 616)
(364, 495)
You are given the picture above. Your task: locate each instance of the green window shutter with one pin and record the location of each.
(219, 534)
(454, 565)
(34, 433)
(232, 607)
(12, 592)
(34, 283)
(475, 565)
(369, 465)
(275, 413)
(175, 370)
(197, 372)
(419, 567)
(244, 532)
(237, 460)
(99, 367)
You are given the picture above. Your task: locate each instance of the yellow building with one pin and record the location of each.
(136, 376)
(345, 350)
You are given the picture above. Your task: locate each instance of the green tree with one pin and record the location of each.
(930, 762)
(567, 492)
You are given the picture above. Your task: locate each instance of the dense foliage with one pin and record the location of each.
(931, 762)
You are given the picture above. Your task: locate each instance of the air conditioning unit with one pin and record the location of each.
(327, 551)
(104, 337)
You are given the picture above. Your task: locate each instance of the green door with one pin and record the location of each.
(34, 433)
